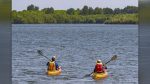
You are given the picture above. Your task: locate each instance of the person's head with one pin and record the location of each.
(53, 58)
(98, 61)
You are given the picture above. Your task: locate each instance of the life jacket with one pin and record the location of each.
(52, 66)
(99, 68)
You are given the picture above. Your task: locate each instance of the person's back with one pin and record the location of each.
(52, 65)
(99, 67)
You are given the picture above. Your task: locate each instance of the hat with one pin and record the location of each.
(54, 56)
(99, 61)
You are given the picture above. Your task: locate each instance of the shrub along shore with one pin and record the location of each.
(86, 15)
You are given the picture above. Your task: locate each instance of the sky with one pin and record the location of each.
(65, 4)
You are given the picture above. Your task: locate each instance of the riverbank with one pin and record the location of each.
(31, 18)
(86, 15)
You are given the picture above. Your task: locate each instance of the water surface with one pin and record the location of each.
(78, 46)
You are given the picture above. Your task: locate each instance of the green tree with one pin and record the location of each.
(91, 11)
(107, 11)
(16, 18)
(32, 7)
(49, 19)
(71, 11)
(130, 9)
(90, 20)
(36, 8)
(98, 10)
(117, 11)
(77, 11)
(48, 10)
(85, 10)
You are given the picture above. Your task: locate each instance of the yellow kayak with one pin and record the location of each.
(54, 73)
(98, 76)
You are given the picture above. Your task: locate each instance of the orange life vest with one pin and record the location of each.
(52, 66)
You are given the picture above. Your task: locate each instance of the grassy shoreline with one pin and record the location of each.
(86, 15)
(75, 19)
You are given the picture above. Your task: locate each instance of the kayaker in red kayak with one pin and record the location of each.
(99, 67)
(52, 65)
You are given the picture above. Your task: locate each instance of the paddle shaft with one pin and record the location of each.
(41, 54)
(45, 57)
(108, 62)
(112, 58)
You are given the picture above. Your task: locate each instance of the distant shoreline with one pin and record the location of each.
(90, 19)
(86, 15)
(74, 24)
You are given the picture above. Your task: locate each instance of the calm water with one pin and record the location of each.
(78, 47)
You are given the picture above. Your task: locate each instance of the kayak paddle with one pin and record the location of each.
(41, 54)
(114, 57)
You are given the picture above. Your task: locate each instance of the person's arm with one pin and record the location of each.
(104, 66)
(56, 65)
(47, 64)
(95, 69)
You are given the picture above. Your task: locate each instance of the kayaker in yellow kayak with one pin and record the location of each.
(99, 67)
(53, 69)
(99, 71)
(52, 64)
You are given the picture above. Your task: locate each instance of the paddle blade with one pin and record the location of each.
(40, 52)
(114, 57)
(87, 75)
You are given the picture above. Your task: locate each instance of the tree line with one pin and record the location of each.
(127, 15)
